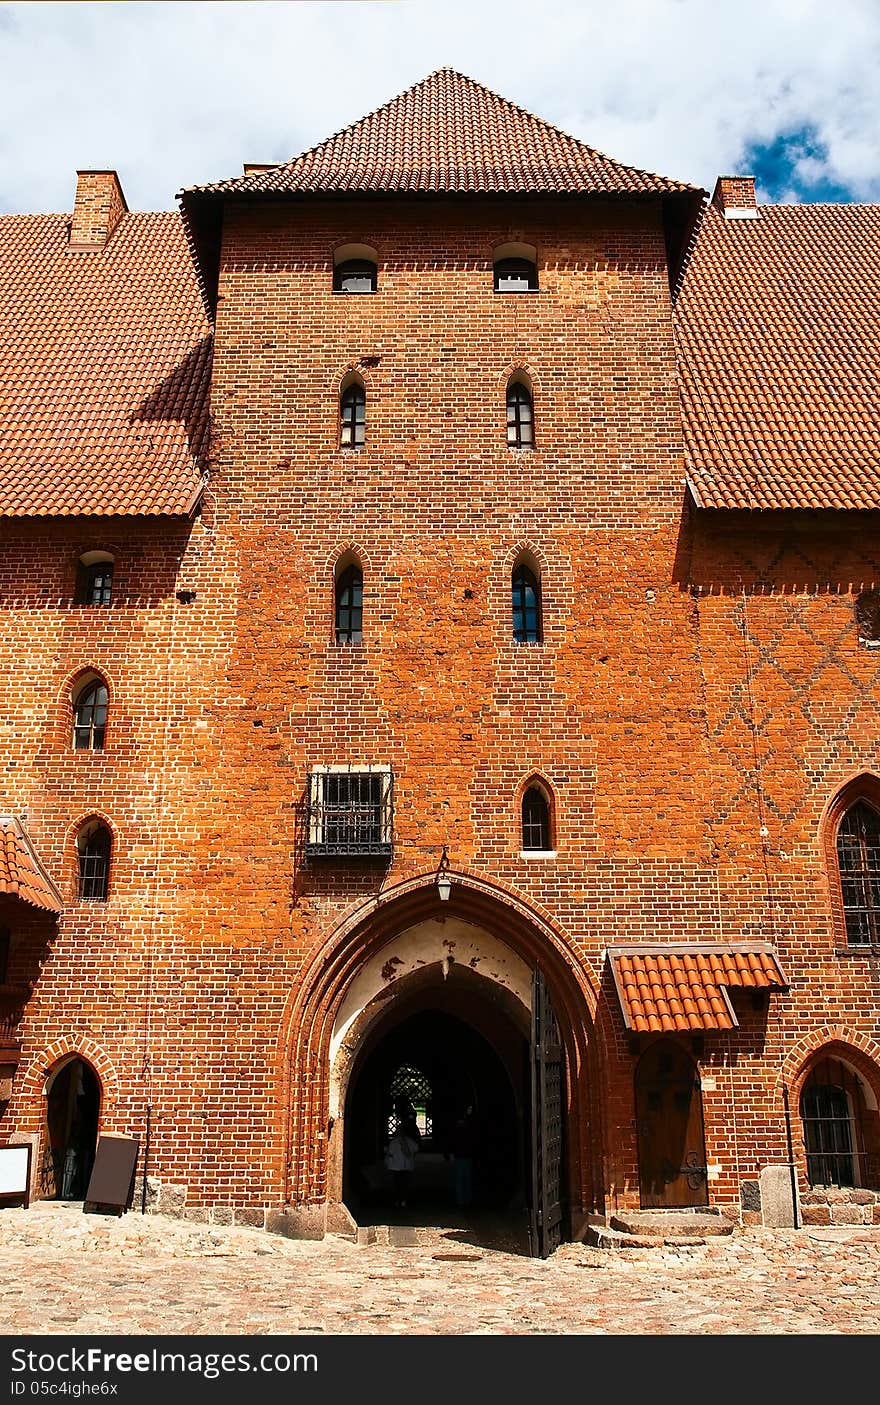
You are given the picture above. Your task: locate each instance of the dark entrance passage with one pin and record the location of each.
(669, 1112)
(72, 1112)
(457, 1064)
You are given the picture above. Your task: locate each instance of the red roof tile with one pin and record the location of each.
(448, 133)
(665, 989)
(22, 875)
(778, 329)
(104, 376)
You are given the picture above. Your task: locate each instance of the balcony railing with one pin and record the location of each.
(350, 812)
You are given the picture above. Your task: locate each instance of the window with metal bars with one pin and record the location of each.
(526, 605)
(411, 1096)
(355, 276)
(90, 717)
(858, 857)
(350, 813)
(353, 416)
(350, 606)
(831, 1115)
(94, 584)
(536, 829)
(520, 416)
(94, 846)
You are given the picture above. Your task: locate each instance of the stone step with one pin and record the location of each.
(604, 1237)
(418, 1237)
(680, 1224)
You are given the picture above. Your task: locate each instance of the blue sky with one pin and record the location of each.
(174, 94)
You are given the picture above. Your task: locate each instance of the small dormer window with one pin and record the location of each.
(94, 579)
(355, 269)
(516, 269)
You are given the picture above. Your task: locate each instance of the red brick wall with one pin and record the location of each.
(187, 980)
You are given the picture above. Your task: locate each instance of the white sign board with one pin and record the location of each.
(15, 1173)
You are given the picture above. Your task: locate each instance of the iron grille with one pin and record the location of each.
(350, 813)
(858, 851)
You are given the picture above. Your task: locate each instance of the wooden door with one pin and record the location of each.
(669, 1113)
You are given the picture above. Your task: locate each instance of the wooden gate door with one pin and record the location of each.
(669, 1113)
(547, 1065)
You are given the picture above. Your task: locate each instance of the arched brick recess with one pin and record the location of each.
(66, 1046)
(307, 1026)
(831, 1042)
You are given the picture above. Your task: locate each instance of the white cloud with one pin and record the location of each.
(178, 93)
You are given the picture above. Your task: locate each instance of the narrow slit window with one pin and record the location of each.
(90, 717)
(350, 606)
(353, 416)
(526, 606)
(94, 846)
(536, 820)
(520, 416)
(858, 856)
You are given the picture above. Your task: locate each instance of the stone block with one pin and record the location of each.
(875, 1213)
(297, 1221)
(857, 1196)
(847, 1214)
(221, 1214)
(750, 1194)
(197, 1214)
(154, 1190)
(254, 1219)
(816, 1214)
(777, 1202)
(340, 1220)
(172, 1200)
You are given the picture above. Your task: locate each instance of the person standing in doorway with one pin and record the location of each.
(400, 1159)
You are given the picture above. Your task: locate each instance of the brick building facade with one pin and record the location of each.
(440, 506)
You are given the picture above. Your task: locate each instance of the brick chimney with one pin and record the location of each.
(99, 206)
(734, 196)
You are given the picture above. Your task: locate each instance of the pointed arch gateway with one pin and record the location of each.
(501, 978)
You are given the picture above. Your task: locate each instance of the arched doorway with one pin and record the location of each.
(840, 1123)
(73, 1109)
(669, 1116)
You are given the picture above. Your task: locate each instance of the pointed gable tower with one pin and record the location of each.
(446, 135)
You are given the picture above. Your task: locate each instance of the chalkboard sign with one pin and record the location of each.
(15, 1175)
(111, 1185)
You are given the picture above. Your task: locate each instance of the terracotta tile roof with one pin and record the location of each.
(668, 989)
(22, 875)
(104, 374)
(448, 133)
(778, 328)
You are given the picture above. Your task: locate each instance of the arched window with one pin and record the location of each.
(355, 269)
(536, 828)
(516, 269)
(858, 858)
(352, 415)
(520, 414)
(94, 845)
(94, 578)
(350, 605)
(831, 1107)
(90, 716)
(526, 605)
(868, 618)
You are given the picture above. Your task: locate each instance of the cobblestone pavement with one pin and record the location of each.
(65, 1272)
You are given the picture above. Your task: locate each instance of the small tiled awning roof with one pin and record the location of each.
(664, 990)
(22, 875)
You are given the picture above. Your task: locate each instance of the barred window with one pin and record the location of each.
(520, 416)
(350, 606)
(94, 845)
(526, 606)
(353, 416)
(536, 820)
(90, 717)
(831, 1103)
(350, 812)
(858, 856)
